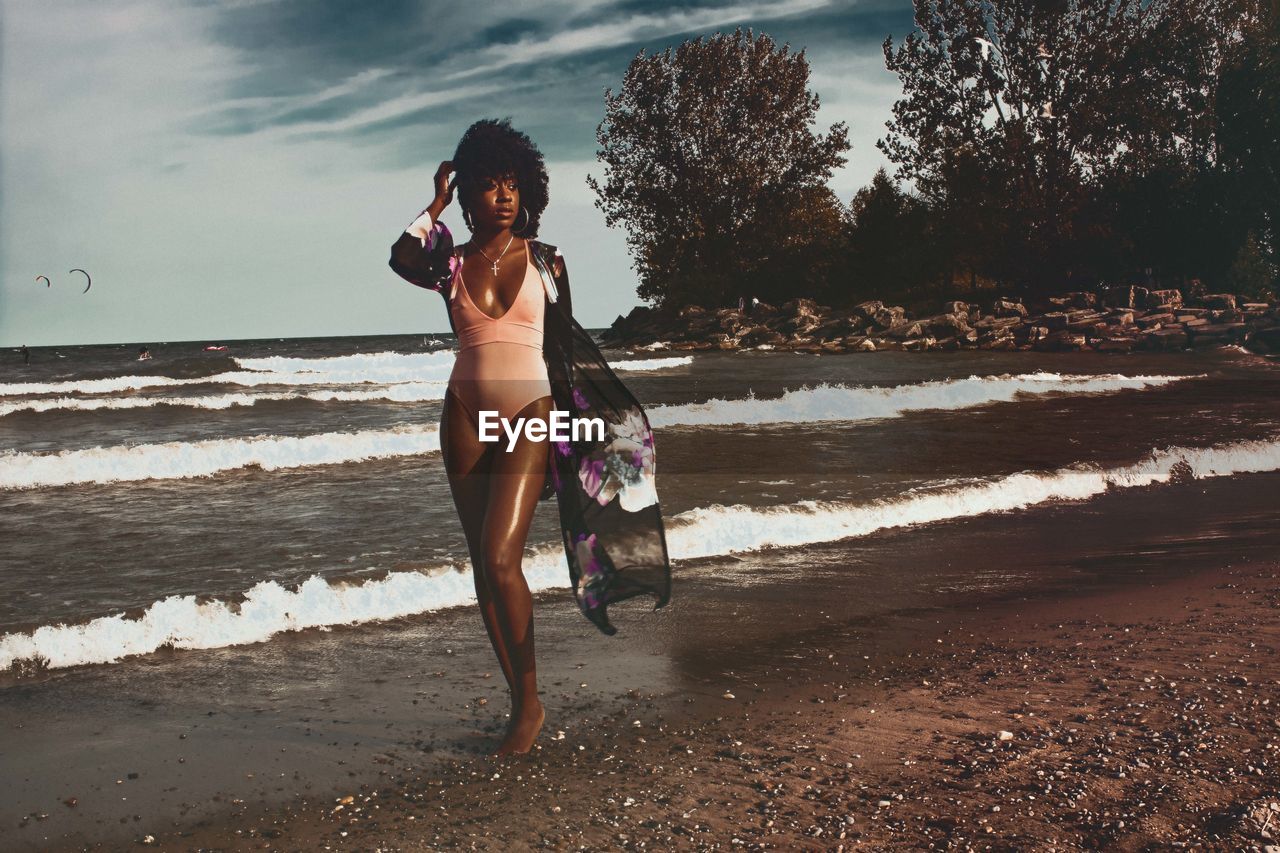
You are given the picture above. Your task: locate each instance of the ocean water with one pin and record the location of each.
(219, 499)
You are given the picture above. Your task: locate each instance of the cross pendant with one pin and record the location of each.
(495, 267)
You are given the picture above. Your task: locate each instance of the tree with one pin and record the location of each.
(1248, 115)
(712, 166)
(1252, 273)
(890, 249)
(1015, 111)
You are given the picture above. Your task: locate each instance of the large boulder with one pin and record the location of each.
(987, 323)
(1155, 320)
(948, 324)
(733, 323)
(1224, 331)
(761, 311)
(1032, 334)
(1008, 308)
(1123, 296)
(1082, 299)
(802, 307)
(1165, 339)
(919, 344)
(841, 325)
(757, 335)
(906, 329)
(628, 326)
(886, 317)
(1226, 315)
(1115, 344)
(1223, 301)
(1001, 342)
(1053, 320)
(867, 310)
(859, 343)
(1062, 340)
(1164, 298)
(1084, 321)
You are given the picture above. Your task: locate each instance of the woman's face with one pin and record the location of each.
(495, 202)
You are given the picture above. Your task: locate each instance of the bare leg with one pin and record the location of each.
(467, 466)
(515, 483)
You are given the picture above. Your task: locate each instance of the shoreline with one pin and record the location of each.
(1109, 319)
(249, 746)
(1135, 715)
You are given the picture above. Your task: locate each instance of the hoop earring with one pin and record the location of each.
(466, 219)
(521, 229)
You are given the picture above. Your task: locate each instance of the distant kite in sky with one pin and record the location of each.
(86, 275)
(46, 280)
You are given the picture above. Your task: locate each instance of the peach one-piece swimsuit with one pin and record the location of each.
(499, 366)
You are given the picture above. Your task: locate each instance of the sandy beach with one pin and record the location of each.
(1134, 676)
(1122, 720)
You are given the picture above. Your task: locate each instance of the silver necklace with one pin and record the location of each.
(491, 260)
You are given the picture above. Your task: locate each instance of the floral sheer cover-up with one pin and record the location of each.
(610, 518)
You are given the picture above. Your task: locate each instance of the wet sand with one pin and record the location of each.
(1116, 720)
(785, 699)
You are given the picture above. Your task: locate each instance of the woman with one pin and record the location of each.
(522, 354)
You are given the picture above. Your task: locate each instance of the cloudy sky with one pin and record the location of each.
(240, 169)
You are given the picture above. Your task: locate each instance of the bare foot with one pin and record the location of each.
(522, 731)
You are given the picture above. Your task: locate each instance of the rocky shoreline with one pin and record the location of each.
(1113, 319)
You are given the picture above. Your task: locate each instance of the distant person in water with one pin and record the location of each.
(26, 354)
(144, 354)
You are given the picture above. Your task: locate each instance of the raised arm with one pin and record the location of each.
(423, 253)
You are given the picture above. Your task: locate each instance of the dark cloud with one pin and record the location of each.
(294, 46)
(507, 32)
(299, 59)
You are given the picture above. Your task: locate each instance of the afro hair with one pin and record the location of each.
(491, 148)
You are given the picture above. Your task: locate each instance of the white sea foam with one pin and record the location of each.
(381, 367)
(408, 392)
(375, 368)
(717, 530)
(652, 363)
(244, 378)
(390, 366)
(384, 368)
(176, 460)
(844, 403)
(181, 459)
(269, 608)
